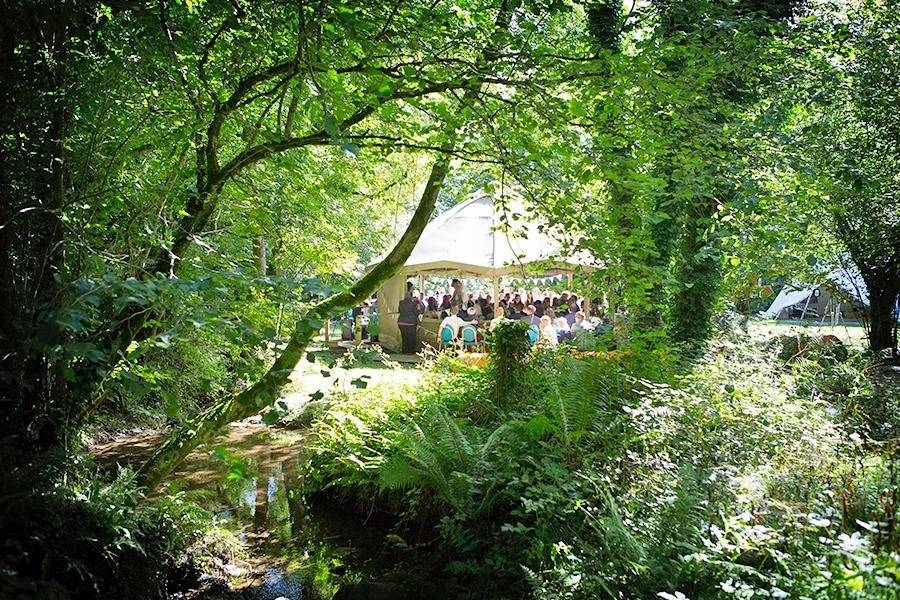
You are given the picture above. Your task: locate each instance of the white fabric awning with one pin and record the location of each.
(472, 239)
(788, 296)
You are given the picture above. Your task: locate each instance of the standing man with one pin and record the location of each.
(408, 320)
(458, 298)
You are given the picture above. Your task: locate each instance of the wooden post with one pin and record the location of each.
(569, 277)
(422, 287)
(327, 330)
(496, 295)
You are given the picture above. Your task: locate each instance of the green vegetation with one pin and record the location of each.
(192, 189)
(732, 478)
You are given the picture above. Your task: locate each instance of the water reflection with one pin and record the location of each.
(250, 478)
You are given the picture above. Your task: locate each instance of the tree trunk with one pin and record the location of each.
(261, 256)
(883, 295)
(264, 392)
(699, 276)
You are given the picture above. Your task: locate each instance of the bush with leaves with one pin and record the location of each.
(510, 349)
(613, 475)
(71, 532)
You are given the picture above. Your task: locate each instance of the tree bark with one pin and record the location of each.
(264, 392)
(261, 256)
(883, 295)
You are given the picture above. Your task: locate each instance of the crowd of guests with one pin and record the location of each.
(555, 316)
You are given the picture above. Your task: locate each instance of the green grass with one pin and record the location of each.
(851, 334)
(310, 377)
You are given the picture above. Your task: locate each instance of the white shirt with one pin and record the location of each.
(549, 334)
(453, 322)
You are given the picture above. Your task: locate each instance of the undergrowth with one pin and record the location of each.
(622, 474)
(71, 531)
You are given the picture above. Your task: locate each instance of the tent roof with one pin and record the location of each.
(788, 296)
(470, 239)
(851, 284)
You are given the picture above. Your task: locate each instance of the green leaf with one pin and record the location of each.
(271, 417)
(173, 406)
(331, 127)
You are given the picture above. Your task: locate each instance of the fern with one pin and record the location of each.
(435, 452)
(579, 396)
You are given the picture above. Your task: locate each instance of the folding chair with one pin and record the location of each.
(533, 334)
(446, 335)
(469, 336)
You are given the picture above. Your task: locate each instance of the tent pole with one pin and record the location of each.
(496, 294)
(806, 306)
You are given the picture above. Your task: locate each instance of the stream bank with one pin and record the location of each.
(250, 479)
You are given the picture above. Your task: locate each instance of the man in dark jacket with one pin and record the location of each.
(408, 319)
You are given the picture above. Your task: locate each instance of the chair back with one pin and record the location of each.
(446, 334)
(469, 334)
(533, 334)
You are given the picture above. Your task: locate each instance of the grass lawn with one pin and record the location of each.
(849, 333)
(310, 377)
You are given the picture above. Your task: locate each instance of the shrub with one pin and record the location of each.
(613, 472)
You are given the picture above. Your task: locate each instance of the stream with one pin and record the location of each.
(250, 479)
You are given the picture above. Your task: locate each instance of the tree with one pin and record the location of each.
(848, 136)
(202, 106)
(264, 392)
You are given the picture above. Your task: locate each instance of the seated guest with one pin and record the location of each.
(550, 313)
(452, 321)
(538, 309)
(498, 318)
(573, 310)
(547, 332)
(432, 304)
(472, 314)
(562, 328)
(487, 308)
(528, 315)
(445, 302)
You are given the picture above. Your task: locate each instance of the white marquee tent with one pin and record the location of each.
(476, 238)
(851, 286)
